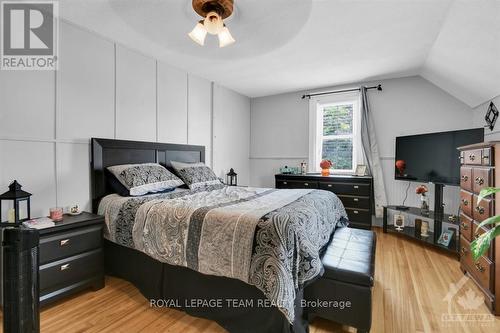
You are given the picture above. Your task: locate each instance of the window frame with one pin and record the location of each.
(316, 131)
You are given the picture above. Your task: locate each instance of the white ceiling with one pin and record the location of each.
(289, 45)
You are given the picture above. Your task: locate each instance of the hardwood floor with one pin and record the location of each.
(411, 282)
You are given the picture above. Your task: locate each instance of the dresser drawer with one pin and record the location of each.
(473, 157)
(66, 244)
(296, 184)
(359, 215)
(466, 178)
(65, 272)
(480, 270)
(476, 232)
(466, 227)
(352, 201)
(356, 189)
(483, 209)
(482, 178)
(466, 202)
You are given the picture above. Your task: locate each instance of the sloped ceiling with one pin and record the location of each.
(289, 45)
(465, 59)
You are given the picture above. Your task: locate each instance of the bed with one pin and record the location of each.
(238, 255)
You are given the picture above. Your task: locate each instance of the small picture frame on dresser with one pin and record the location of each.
(360, 170)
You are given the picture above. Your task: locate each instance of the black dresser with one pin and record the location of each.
(356, 193)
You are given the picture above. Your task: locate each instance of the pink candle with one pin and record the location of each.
(56, 214)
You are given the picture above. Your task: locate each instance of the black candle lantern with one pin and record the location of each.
(17, 196)
(232, 178)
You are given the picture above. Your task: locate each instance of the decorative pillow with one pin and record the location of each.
(140, 179)
(196, 175)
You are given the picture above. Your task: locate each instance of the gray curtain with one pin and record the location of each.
(371, 153)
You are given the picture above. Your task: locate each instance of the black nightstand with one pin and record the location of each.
(71, 256)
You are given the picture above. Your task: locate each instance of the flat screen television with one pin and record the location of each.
(433, 157)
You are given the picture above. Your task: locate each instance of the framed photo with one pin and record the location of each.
(360, 170)
(399, 221)
(446, 237)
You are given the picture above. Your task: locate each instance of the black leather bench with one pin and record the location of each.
(349, 263)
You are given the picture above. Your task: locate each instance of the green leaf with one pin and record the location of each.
(480, 245)
(490, 220)
(487, 192)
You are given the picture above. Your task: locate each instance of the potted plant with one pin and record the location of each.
(325, 166)
(481, 244)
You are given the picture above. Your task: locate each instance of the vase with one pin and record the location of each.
(325, 172)
(424, 205)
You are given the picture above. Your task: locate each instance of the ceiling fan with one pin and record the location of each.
(213, 12)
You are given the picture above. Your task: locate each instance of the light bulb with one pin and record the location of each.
(199, 33)
(225, 37)
(213, 23)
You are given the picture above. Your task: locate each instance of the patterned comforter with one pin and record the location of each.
(265, 237)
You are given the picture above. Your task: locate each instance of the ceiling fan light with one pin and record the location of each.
(199, 33)
(225, 37)
(213, 23)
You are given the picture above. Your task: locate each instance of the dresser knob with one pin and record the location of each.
(472, 157)
(465, 178)
(64, 242)
(356, 186)
(330, 185)
(479, 181)
(285, 183)
(465, 202)
(479, 267)
(355, 212)
(64, 267)
(464, 226)
(463, 251)
(480, 210)
(356, 199)
(306, 184)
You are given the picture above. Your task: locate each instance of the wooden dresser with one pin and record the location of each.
(480, 168)
(355, 192)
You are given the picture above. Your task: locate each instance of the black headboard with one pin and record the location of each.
(107, 152)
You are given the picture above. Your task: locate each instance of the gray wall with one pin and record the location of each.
(412, 105)
(103, 89)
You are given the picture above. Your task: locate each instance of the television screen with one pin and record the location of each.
(433, 157)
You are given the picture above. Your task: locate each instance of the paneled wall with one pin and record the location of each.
(103, 89)
(412, 105)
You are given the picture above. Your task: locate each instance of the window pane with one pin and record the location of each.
(337, 119)
(339, 151)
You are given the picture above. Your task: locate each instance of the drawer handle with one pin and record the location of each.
(463, 251)
(479, 267)
(465, 202)
(472, 157)
(480, 210)
(64, 267)
(64, 242)
(330, 185)
(479, 181)
(306, 184)
(356, 199)
(464, 226)
(285, 183)
(465, 178)
(356, 186)
(355, 212)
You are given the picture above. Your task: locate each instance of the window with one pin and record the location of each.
(334, 130)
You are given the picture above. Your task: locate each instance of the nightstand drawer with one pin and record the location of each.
(296, 184)
(359, 215)
(65, 244)
(58, 274)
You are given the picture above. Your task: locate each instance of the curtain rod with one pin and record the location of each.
(378, 87)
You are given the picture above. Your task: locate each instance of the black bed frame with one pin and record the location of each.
(180, 285)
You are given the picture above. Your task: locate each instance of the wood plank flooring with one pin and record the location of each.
(411, 282)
